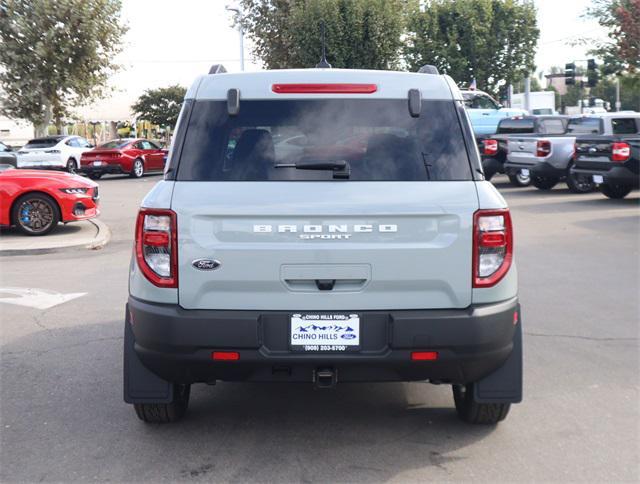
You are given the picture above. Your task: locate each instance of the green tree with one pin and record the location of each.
(55, 54)
(493, 41)
(359, 33)
(621, 18)
(160, 106)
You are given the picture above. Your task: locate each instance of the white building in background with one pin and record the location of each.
(15, 133)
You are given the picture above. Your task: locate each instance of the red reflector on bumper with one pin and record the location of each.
(225, 355)
(424, 355)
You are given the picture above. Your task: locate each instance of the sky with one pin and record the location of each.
(173, 42)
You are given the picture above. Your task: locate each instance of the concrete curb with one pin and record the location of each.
(43, 245)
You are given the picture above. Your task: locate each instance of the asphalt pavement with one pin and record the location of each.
(62, 417)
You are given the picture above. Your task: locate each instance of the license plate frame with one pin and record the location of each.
(598, 179)
(97, 163)
(325, 332)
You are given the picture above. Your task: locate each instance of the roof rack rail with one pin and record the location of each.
(428, 69)
(217, 69)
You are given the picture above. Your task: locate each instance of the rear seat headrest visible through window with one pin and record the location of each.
(254, 155)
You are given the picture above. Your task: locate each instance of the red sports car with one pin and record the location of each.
(34, 201)
(134, 157)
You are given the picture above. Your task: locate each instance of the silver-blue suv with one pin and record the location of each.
(323, 226)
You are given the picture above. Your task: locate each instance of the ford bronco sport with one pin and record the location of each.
(323, 226)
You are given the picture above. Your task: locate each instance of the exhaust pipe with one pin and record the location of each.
(325, 378)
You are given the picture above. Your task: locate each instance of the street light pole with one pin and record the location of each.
(240, 30)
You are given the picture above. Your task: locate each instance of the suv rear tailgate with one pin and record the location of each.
(383, 246)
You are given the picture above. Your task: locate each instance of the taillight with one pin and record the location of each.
(492, 246)
(620, 152)
(543, 147)
(490, 147)
(157, 247)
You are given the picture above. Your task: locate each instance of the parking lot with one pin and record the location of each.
(578, 259)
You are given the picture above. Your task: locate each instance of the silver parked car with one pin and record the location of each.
(549, 158)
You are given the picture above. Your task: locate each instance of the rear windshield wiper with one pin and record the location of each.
(340, 168)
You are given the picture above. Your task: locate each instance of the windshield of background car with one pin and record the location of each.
(377, 138)
(584, 126)
(42, 143)
(114, 145)
(479, 101)
(521, 125)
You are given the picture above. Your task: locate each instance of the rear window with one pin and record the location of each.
(507, 126)
(42, 143)
(624, 126)
(584, 126)
(377, 139)
(552, 126)
(114, 145)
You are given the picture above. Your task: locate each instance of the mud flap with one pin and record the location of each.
(505, 384)
(140, 384)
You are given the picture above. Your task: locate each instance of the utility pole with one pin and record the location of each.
(240, 30)
(618, 103)
(527, 94)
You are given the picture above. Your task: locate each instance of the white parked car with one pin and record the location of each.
(53, 152)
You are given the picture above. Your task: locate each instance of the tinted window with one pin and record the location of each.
(522, 125)
(624, 126)
(3, 147)
(114, 145)
(479, 101)
(584, 126)
(552, 126)
(378, 139)
(42, 143)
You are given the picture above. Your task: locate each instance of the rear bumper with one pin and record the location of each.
(176, 344)
(615, 175)
(111, 169)
(542, 169)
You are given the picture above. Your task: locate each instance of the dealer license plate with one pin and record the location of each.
(97, 163)
(598, 179)
(325, 332)
(524, 172)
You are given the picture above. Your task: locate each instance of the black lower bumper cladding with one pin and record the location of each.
(166, 344)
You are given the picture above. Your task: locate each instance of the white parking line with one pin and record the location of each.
(35, 298)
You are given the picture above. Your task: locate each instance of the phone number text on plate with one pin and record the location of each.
(325, 347)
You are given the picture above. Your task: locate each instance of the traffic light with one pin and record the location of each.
(570, 73)
(592, 73)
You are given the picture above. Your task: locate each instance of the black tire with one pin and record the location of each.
(520, 180)
(616, 191)
(72, 165)
(137, 169)
(544, 182)
(35, 214)
(95, 176)
(579, 183)
(165, 412)
(473, 412)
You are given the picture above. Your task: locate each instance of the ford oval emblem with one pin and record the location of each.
(206, 264)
